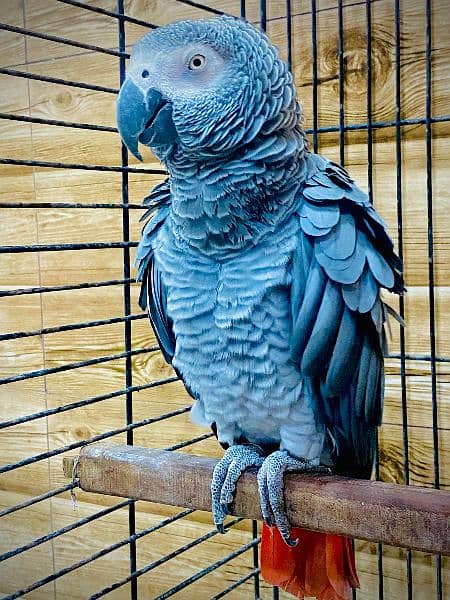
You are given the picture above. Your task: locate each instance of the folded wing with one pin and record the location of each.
(344, 256)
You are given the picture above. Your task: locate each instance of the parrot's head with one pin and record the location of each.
(206, 87)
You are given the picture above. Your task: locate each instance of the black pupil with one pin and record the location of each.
(145, 73)
(197, 62)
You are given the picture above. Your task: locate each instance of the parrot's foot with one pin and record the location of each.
(226, 473)
(271, 489)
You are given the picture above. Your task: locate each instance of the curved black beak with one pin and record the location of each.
(144, 116)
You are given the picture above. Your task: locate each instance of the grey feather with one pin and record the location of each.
(347, 342)
(323, 335)
(340, 242)
(304, 323)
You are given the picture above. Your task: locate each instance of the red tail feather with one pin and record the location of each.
(322, 565)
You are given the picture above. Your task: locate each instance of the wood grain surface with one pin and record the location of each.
(57, 225)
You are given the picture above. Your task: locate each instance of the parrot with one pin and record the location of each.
(262, 265)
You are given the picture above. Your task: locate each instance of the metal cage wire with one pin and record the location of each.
(129, 315)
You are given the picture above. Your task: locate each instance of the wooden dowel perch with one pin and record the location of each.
(399, 515)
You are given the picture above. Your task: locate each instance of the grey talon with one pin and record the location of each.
(220, 527)
(271, 490)
(290, 542)
(225, 476)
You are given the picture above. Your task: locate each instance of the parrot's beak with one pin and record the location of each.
(144, 116)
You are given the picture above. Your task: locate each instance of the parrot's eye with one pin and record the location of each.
(197, 62)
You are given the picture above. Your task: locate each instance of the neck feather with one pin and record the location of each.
(221, 204)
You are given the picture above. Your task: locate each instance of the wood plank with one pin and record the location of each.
(383, 47)
(420, 455)
(71, 22)
(83, 25)
(394, 572)
(12, 45)
(418, 391)
(417, 320)
(15, 140)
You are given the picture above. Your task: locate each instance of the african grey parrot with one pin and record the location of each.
(261, 269)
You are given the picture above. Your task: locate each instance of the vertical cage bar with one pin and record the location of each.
(369, 99)
(399, 194)
(342, 118)
(431, 282)
(263, 14)
(370, 191)
(263, 18)
(255, 559)
(289, 33)
(314, 72)
(127, 305)
(255, 550)
(243, 9)
(341, 83)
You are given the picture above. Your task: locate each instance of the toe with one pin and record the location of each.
(229, 484)
(219, 474)
(225, 475)
(275, 487)
(235, 470)
(266, 509)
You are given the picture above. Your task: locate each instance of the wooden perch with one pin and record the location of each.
(398, 515)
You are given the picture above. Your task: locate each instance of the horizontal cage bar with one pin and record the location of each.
(109, 13)
(70, 327)
(64, 288)
(57, 80)
(201, 6)
(219, 563)
(88, 401)
(54, 576)
(161, 561)
(63, 530)
(61, 40)
(97, 438)
(31, 501)
(40, 121)
(236, 584)
(76, 365)
(87, 205)
(60, 247)
(58, 165)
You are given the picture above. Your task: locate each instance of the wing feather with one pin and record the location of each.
(320, 343)
(153, 297)
(344, 257)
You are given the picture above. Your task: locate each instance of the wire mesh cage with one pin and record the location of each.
(79, 361)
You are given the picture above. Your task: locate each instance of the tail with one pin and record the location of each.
(322, 565)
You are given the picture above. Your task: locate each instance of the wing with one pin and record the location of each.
(343, 258)
(153, 296)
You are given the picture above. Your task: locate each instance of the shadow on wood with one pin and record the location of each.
(398, 515)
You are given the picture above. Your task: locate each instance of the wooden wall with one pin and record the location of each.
(53, 225)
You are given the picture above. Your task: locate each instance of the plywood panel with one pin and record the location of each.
(21, 140)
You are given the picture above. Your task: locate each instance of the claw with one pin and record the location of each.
(226, 473)
(271, 490)
(220, 527)
(290, 542)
